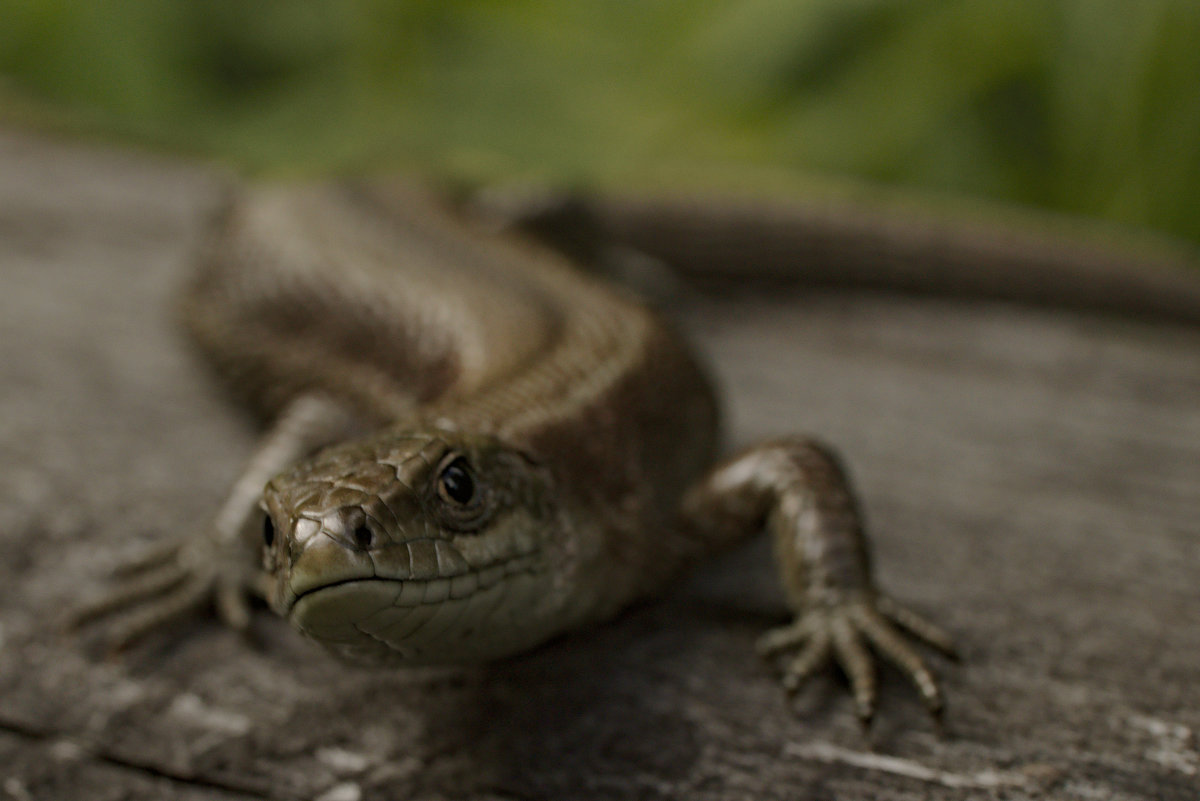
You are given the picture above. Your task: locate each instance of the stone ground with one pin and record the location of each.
(1032, 479)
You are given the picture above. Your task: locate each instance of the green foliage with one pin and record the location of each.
(1090, 106)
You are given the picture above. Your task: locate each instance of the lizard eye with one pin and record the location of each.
(464, 501)
(455, 483)
(268, 531)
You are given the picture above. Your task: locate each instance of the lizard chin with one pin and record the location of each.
(424, 622)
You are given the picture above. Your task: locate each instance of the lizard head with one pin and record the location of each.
(424, 547)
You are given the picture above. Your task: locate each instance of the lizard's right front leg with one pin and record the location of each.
(798, 490)
(221, 564)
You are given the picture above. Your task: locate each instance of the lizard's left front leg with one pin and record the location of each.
(798, 490)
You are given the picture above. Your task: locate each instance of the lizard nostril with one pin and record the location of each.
(363, 537)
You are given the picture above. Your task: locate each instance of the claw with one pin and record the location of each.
(232, 607)
(815, 654)
(845, 633)
(888, 642)
(785, 638)
(162, 585)
(929, 633)
(139, 589)
(854, 659)
(135, 626)
(152, 557)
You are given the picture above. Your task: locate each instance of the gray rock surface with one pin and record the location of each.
(1032, 479)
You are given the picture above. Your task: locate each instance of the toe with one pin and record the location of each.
(132, 592)
(900, 653)
(785, 638)
(855, 660)
(929, 633)
(807, 662)
(152, 617)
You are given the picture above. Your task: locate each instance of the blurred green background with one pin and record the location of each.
(1089, 106)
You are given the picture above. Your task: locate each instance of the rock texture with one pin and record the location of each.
(1032, 479)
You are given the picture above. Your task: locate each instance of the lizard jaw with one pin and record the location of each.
(431, 621)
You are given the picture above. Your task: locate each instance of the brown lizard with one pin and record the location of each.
(474, 447)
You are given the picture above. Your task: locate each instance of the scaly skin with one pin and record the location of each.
(475, 448)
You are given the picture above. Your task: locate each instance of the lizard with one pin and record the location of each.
(473, 447)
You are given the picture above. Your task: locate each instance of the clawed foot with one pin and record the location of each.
(161, 586)
(845, 632)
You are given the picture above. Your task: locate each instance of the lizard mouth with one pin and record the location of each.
(353, 595)
(416, 621)
(333, 585)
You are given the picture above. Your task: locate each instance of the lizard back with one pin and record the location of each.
(385, 301)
